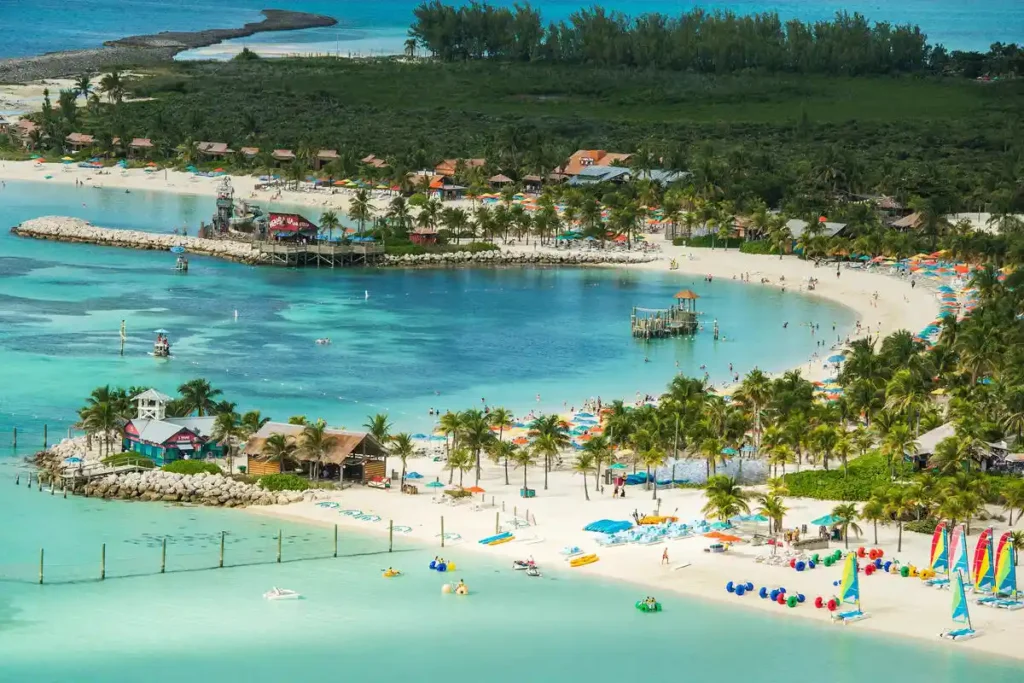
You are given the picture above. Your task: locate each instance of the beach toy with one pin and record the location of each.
(391, 572)
(730, 588)
(887, 566)
(774, 594)
(750, 586)
(861, 551)
(904, 572)
(869, 570)
(462, 589)
(645, 606)
(800, 597)
(792, 563)
(815, 558)
(741, 589)
(818, 602)
(800, 566)
(812, 564)
(763, 593)
(446, 588)
(781, 599)
(832, 605)
(791, 601)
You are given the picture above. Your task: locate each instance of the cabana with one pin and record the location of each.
(283, 155)
(79, 141)
(351, 456)
(324, 157)
(249, 152)
(213, 150)
(499, 181)
(140, 147)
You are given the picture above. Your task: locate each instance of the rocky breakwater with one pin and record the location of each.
(64, 229)
(514, 258)
(204, 489)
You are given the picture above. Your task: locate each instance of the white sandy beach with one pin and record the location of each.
(899, 607)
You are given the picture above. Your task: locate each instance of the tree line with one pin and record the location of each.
(708, 42)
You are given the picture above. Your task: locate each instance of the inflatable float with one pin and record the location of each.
(582, 560)
(648, 606)
(442, 566)
(388, 573)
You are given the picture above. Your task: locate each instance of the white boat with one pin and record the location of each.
(162, 346)
(276, 593)
(960, 613)
(849, 592)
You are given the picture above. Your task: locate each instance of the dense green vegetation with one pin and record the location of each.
(865, 475)
(120, 459)
(284, 482)
(191, 467)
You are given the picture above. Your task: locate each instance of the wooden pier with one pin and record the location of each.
(655, 323)
(320, 255)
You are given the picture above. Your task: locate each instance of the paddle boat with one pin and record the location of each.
(181, 265)
(571, 551)
(523, 564)
(648, 605)
(324, 341)
(276, 593)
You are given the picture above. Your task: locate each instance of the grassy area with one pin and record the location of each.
(866, 474)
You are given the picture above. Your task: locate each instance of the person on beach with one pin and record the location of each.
(664, 556)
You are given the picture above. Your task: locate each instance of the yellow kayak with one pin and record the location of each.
(499, 541)
(585, 559)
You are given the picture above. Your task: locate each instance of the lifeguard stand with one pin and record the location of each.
(151, 405)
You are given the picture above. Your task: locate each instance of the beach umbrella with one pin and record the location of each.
(435, 485)
(617, 466)
(836, 358)
(414, 475)
(160, 331)
(729, 451)
(177, 250)
(945, 288)
(827, 520)
(475, 489)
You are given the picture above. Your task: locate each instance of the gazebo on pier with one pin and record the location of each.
(680, 319)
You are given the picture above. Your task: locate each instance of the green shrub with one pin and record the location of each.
(284, 482)
(191, 467)
(708, 241)
(756, 247)
(924, 526)
(403, 249)
(128, 458)
(867, 474)
(457, 493)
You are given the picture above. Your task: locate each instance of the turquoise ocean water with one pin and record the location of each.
(500, 334)
(28, 28)
(423, 339)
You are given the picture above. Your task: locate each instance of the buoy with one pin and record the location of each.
(791, 601)
(741, 589)
(781, 599)
(800, 597)
(832, 605)
(763, 592)
(730, 588)
(446, 588)
(818, 602)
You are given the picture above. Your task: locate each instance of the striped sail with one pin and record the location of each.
(984, 563)
(959, 562)
(1006, 568)
(960, 601)
(849, 588)
(940, 548)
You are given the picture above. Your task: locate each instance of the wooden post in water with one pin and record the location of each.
(103, 562)
(17, 479)
(163, 556)
(391, 534)
(335, 541)
(279, 546)
(14, 439)
(221, 565)
(502, 506)
(442, 531)
(40, 566)
(44, 437)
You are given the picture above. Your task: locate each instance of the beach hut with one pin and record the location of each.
(374, 161)
(78, 141)
(423, 235)
(249, 152)
(213, 150)
(283, 156)
(499, 181)
(351, 456)
(324, 157)
(140, 147)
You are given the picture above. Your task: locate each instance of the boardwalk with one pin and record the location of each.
(320, 255)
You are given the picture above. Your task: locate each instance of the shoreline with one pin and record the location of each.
(143, 50)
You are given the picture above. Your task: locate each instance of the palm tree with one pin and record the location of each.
(501, 452)
(546, 447)
(552, 430)
(361, 209)
(952, 455)
(228, 431)
(1013, 498)
(462, 460)
(725, 498)
(100, 418)
(842, 450)
(410, 47)
(450, 425)
(523, 457)
(1017, 543)
(197, 395)
(897, 444)
(774, 508)
(601, 450)
(653, 458)
(711, 449)
(475, 435)
(781, 455)
(329, 222)
(279, 448)
(897, 506)
(253, 421)
(83, 86)
(874, 511)
(583, 464)
(402, 448)
(315, 444)
(112, 85)
(845, 516)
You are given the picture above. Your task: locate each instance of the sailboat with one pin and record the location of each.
(960, 614)
(958, 562)
(1006, 595)
(849, 592)
(940, 556)
(984, 564)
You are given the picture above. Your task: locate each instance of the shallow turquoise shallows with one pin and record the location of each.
(366, 27)
(213, 625)
(423, 339)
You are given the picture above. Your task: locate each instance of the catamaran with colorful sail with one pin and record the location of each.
(940, 556)
(849, 592)
(984, 563)
(1006, 595)
(960, 613)
(958, 562)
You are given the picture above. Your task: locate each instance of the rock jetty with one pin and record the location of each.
(63, 229)
(149, 49)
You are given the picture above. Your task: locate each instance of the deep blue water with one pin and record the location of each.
(28, 28)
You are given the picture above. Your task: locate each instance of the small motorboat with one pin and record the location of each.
(162, 345)
(276, 593)
(533, 571)
(523, 564)
(324, 341)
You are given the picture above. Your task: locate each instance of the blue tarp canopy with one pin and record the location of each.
(608, 526)
(836, 358)
(827, 520)
(748, 518)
